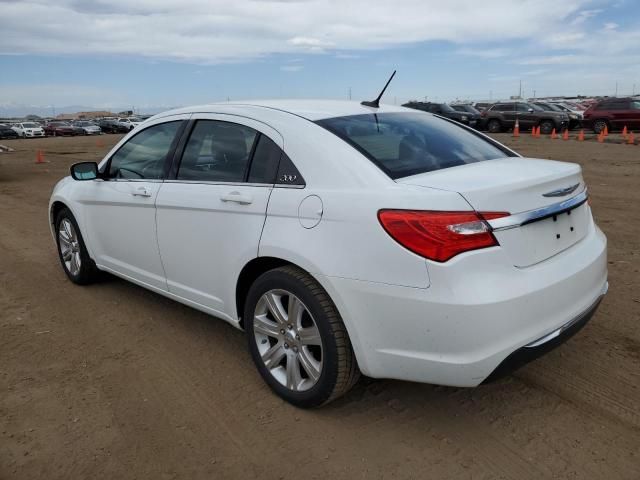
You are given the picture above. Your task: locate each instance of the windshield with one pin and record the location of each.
(405, 143)
(30, 125)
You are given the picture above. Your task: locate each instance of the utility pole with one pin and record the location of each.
(616, 89)
(349, 93)
(520, 91)
(534, 94)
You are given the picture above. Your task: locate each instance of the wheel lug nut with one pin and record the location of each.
(297, 337)
(295, 349)
(282, 331)
(286, 345)
(289, 326)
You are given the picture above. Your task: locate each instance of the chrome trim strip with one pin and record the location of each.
(209, 182)
(523, 218)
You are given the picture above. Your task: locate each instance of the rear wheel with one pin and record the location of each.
(75, 259)
(494, 126)
(546, 127)
(297, 338)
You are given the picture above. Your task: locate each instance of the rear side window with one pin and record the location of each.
(217, 152)
(613, 106)
(407, 143)
(264, 165)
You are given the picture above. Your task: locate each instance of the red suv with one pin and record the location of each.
(615, 113)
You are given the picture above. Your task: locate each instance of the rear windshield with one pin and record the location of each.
(407, 143)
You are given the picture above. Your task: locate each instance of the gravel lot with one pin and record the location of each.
(112, 381)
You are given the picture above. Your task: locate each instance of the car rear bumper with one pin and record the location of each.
(477, 312)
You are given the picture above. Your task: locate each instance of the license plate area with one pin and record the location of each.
(539, 240)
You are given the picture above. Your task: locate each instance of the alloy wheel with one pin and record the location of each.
(288, 340)
(69, 246)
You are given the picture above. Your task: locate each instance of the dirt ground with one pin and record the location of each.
(112, 381)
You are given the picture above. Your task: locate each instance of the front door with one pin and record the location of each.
(121, 213)
(210, 216)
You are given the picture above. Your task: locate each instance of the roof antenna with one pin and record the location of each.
(376, 103)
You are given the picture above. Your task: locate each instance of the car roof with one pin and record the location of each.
(309, 109)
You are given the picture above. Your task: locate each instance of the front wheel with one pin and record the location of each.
(599, 126)
(75, 259)
(297, 339)
(494, 126)
(546, 127)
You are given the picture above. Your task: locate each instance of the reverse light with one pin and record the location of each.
(438, 235)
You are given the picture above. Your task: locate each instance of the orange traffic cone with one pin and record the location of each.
(40, 157)
(538, 132)
(565, 134)
(516, 129)
(554, 135)
(533, 132)
(631, 139)
(601, 137)
(606, 131)
(581, 136)
(624, 132)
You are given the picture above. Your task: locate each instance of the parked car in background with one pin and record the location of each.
(342, 238)
(7, 132)
(28, 130)
(481, 106)
(502, 116)
(443, 109)
(614, 113)
(111, 125)
(130, 123)
(466, 107)
(575, 114)
(89, 128)
(58, 129)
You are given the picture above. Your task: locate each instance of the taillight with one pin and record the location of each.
(438, 235)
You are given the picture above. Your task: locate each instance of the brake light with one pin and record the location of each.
(438, 235)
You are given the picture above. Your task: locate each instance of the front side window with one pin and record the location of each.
(404, 144)
(635, 105)
(144, 155)
(217, 152)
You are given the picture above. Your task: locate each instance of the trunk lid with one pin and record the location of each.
(518, 185)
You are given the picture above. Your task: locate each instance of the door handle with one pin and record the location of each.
(141, 192)
(237, 197)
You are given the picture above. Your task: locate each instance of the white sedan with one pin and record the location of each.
(343, 239)
(130, 122)
(28, 129)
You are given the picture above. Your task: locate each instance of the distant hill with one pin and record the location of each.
(20, 111)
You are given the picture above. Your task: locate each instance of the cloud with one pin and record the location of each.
(215, 31)
(291, 68)
(485, 52)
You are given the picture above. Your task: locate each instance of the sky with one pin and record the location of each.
(153, 54)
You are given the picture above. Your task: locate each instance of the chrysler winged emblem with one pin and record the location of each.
(561, 192)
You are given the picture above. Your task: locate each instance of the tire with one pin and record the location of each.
(599, 125)
(494, 126)
(546, 127)
(311, 360)
(67, 227)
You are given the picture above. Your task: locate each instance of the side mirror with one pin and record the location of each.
(530, 110)
(84, 171)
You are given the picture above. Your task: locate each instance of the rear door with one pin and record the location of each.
(526, 118)
(618, 111)
(211, 212)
